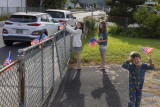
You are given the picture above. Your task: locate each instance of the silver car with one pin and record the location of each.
(62, 15)
(24, 26)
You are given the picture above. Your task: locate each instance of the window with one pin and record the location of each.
(22, 18)
(71, 16)
(44, 18)
(50, 18)
(56, 14)
(67, 16)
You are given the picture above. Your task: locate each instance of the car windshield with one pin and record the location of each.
(56, 14)
(22, 18)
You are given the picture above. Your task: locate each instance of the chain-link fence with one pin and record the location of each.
(121, 21)
(28, 82)
(64, 49)
(9, 86)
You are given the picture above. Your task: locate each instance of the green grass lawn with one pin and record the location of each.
(118, 49)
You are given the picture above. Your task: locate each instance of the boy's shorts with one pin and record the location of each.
(77, 48)
(102, 48)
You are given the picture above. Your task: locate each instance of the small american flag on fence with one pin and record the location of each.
(8, 60)
(38, 39)
(35, 41)
(146, 50)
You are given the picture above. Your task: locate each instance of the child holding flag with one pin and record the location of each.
(77, 32)
(136, 77)
(103, 38)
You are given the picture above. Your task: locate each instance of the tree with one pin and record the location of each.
(148, 21)
(41, 2)
(55, 4)
(75, 1)
(33, 3)
(125, 6)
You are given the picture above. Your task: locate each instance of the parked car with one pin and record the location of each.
(61, 16)
(24, 26)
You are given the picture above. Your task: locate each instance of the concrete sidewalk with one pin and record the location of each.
(90, 87)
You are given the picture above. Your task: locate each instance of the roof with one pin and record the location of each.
(151, 3)
(29, 13)
(58, 10)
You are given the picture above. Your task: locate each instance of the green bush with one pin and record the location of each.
(3, 18)
(149, 22)
(116, 30)
(69, 7)
(121, 31)
(90, 22)
(78, 8)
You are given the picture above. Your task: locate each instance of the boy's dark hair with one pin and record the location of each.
(135, 54)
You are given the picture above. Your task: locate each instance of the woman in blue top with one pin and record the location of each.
(103, 38)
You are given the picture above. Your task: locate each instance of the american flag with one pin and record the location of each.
(62, 26)
(35, 41)
(8, 60)
(43, 37)
(92, 42)
(146, 50)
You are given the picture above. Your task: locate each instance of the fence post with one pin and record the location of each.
(53, 61)
(21, 71)
(71, 50)
(126, 22)
(64, 45)
(42, 72)
(58, 57)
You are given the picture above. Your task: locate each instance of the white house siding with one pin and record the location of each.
(12, 3)
(11, 6)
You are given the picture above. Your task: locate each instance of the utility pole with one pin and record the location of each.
(26, 7)
(7, 8)
(21, 5)
(41, 2)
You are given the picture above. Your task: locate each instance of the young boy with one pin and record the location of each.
(136, 77)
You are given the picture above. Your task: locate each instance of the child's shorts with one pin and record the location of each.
(102, 48)
(77, 48)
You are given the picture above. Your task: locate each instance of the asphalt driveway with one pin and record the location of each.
(90, 87)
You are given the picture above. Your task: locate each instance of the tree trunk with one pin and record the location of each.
(41, 2)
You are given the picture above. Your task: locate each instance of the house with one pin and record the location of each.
(77, 5)
(69, 4)
(11, 6)
(150, 2)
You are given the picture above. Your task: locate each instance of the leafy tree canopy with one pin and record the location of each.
(149, 21)
(75, 1)
(55, 4)
(125, 6)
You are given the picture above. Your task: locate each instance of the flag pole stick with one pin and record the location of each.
(147, 56)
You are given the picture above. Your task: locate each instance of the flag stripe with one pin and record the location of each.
(146, 50)
(7, 61)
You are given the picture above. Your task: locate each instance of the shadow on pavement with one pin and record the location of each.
(68, 94)
(112, 97)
